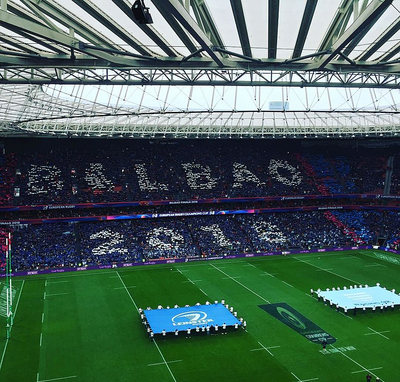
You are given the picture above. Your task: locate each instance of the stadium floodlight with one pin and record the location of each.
(141, 12)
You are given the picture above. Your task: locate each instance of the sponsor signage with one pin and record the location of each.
(296, 321)
(182, 260)
(190, 201)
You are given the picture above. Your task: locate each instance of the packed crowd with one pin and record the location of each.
(7, 177)
(395, 183)
(72, 171)
(80, 244)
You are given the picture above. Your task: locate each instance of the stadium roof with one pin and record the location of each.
(219, 68)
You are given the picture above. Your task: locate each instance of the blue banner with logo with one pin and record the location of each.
(191, 317)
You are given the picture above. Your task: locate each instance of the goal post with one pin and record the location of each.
(9, 291)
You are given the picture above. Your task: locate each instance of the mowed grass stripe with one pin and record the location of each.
(260, 323)
(97, 324)
(219, 353)
(300, 276)
(23, 346)
(15, 309)
(59, 332)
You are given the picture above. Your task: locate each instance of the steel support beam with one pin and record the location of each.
(241, 27)
(204, 18)
(30, 4)
(255, 78)
(362, 23)
(304, 27)
(338, 23)
(125, 6)
(176, 9)
(381, 40)
(390, 53)
(9, 20)
(173, 23)
(314, 128)
(114, 27)
(273, 19)
(20, 45)
(70, 20)
(357, 39)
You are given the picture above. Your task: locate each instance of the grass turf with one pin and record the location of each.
(84, 326)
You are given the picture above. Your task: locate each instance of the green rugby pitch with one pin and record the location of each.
(84, 326)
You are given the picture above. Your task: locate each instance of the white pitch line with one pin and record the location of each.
(132, 286)
(265, 348)
(155, 343)
(294, 375)
(287, 284)
(379, 333)
(62, 281)
(76, 274)
(346, 257)
(15, 313)
(162, 363)
(358, 364)
(304, 380)
(44, 295)
(41, 338)
(179, 271)
(244, 286)
(345, 315)
(56, 379)
(188, 281)
(325, 269)
(45, 283)
(42, 317)
(371, 334)
(334, 273)
(166, 364)
(375, 265)
(203, 291)
(130, 296)
(56, 294)
(363, 371)
(233, 277)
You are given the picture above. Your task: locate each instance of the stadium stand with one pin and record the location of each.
(51, 173)
(54, 172)
(80, 244)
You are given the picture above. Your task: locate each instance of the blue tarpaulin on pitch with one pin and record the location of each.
(366, 297)
(189, 317)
